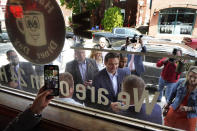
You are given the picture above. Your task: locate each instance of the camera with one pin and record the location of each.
(136, 38)
(171, 59)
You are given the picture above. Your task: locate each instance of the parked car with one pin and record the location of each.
(191, 42)
(117, 34)
(4, 36)
(69, 35)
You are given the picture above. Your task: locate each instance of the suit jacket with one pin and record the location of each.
(154, 117)
(25, 121)
(73, 68)
(26, 70)
(102, 80)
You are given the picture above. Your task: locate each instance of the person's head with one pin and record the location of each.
(123, 60)
(111, 62)
(12, 57)
(192, 76)
(177, 52)
(80, 54)
(97, 55)
(67, 77)
(129, 83)
(102, 42)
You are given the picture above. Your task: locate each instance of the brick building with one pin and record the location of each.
(166, 19)
(173, 19)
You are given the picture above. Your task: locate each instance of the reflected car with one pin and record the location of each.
(117, 35)
(69, 35)
(4, 36)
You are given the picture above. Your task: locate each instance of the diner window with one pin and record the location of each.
(90, 76)
(178, 21)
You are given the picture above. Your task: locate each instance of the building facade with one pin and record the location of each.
(173, 19)
(166, 19)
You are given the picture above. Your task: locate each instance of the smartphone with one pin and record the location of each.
(51, 79)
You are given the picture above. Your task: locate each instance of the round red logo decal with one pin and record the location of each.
(36, 29)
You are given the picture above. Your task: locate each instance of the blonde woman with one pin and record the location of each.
(181, 109)
(97, 56)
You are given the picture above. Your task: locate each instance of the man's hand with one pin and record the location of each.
(184, 109)
(114, 106)
(165, 109)
(88, 83)
(42, 100)
(13, 84)
(166, 60)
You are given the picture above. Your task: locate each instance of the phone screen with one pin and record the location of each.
(51, 78)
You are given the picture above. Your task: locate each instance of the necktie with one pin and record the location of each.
(18, 77)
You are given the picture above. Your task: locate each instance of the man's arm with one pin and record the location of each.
(30, 117)
(24, 121)
(143, 49)
(162, 62)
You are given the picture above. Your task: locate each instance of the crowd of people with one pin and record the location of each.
(122, 73)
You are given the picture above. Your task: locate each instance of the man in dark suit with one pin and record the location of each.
(110, 78)
(82, 69)
(17, 74)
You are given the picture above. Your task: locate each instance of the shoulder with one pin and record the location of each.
(5, 66)
(157, 108)
(182, 80)
(124, 71)
(25, 64)
(101, 73)
(70, 63)
(90, 60)
(181, 83)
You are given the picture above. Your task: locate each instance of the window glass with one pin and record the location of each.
(176, 21)
(124, 75)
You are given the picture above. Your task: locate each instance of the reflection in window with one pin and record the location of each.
(120, 31)
(75, 87)
(177, 21)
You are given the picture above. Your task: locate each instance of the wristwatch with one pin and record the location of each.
(37, 115)
(34, 114)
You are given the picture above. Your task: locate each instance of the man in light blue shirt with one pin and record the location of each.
(110, 79)
(82, 69)
(114, 81)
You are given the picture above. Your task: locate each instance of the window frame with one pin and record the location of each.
(12, 98)
(176, 13)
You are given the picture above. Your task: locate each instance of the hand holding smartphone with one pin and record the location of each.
(51, 79)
